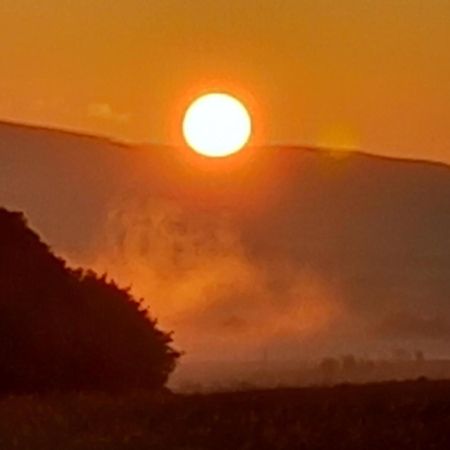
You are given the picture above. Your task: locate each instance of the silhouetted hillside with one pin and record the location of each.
(288, 252)
(69, 329)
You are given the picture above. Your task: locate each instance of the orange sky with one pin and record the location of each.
(373, 74)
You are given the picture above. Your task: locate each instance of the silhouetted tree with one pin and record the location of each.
(64, 329)
(349, 366)
(419, 356)
(329, 367)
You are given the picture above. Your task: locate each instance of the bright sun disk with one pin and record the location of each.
(217, 125)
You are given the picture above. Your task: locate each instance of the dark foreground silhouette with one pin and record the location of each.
(64, 329)
(409, 415)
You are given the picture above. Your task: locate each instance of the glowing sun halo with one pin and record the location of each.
(217, 125)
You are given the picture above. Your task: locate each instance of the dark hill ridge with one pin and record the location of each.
(356, 246)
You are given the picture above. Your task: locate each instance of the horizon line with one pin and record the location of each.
(288, 146)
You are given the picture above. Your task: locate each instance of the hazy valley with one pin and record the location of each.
(294, 254)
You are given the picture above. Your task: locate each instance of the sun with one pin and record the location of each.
(217, 125)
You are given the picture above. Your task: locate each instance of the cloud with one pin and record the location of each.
(104, 111)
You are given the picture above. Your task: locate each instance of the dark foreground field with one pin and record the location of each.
(413, 415)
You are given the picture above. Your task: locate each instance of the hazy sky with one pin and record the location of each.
(373, 74)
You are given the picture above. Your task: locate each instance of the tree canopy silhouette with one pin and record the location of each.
(65, 329)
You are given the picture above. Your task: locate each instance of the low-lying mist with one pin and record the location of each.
(201, 280)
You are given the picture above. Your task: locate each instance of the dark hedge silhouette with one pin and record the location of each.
(64, 329)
